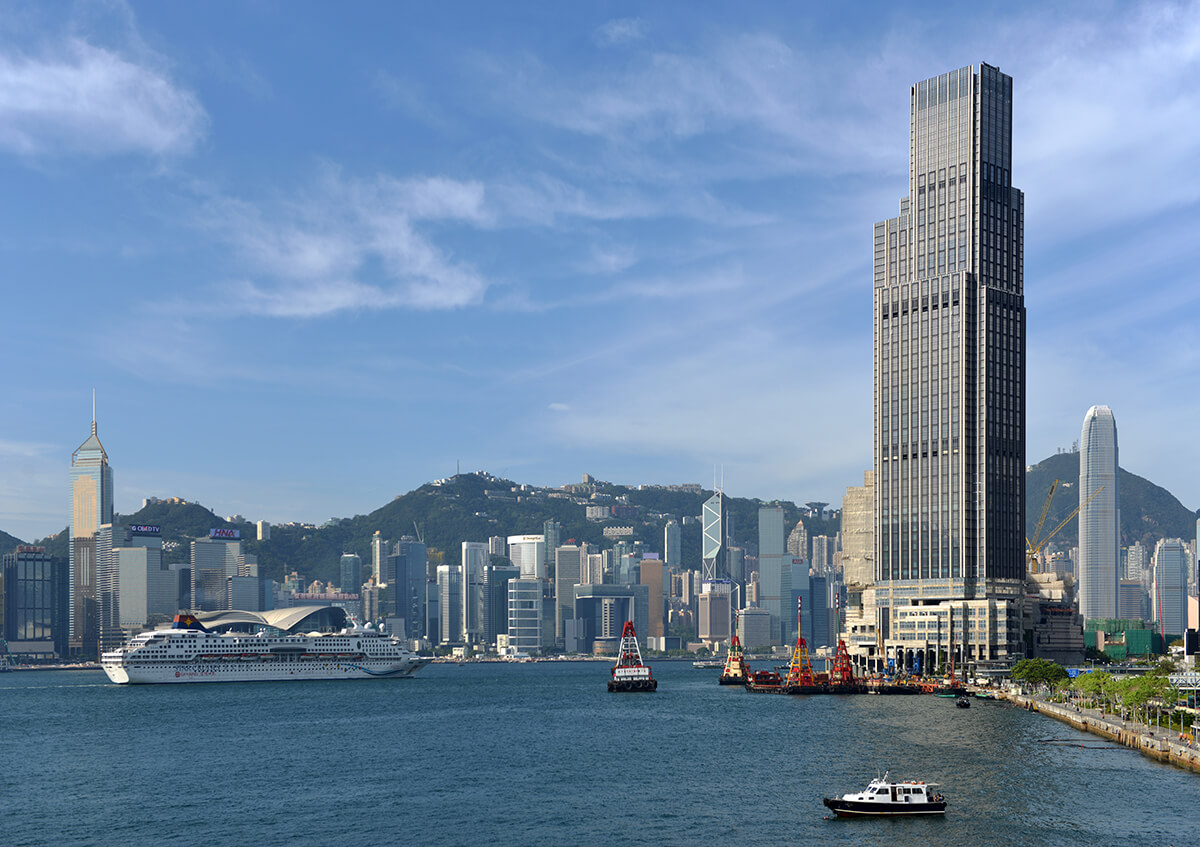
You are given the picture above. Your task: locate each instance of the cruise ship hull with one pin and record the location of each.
(237, 671)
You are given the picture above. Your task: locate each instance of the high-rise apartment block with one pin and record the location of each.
(1099, 519)
(949, 377)
(91, 506)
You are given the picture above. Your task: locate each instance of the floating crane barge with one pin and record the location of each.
(629, 674)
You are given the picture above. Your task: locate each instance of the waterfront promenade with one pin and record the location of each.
(1155, 742)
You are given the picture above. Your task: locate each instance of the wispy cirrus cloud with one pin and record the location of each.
(77, 98)
(351, 244)
(620, 31)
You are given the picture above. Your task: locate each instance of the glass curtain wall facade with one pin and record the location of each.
(713, 542)
(949, 357)
(91, 506)
(1099, 528)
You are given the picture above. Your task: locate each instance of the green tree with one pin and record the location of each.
(1038, 672)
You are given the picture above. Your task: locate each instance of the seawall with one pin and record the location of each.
(1157, 744)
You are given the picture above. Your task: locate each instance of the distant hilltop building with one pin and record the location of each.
(1099, 518)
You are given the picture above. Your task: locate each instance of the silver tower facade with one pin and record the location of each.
(949, 380)
(1099, 530)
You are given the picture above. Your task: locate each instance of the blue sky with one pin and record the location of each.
(312, 255)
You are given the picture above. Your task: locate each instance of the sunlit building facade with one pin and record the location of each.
(1099, 560)
(91, 506)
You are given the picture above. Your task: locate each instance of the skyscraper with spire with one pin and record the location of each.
(91, 506)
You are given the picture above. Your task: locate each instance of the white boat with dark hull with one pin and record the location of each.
(884, 797)
(263, 646)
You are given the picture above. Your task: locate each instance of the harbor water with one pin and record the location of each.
(542, 754)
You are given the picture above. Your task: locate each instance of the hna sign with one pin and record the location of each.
(224, 533)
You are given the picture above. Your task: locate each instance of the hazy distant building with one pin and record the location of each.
(1168, 591)
(652, 575)
(263, 530)
(91, 506)
(34, 610)
(771, 593)
(213, 561)
(567, 574)
(714, 521)
(797, 541)
(497, 546)
(714, 614)
(949, 374)
(449, 582)
(528, 552)
(495, 592)
(672, 544)
(475, 558)
(551, 539)
(378, 555)
(754, 628)
(525, 614)
(600, 615)
(1131, 600)
(350, 572)
(1099, 519)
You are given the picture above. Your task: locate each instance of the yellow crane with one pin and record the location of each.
(1035, 546)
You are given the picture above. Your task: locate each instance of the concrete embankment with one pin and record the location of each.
(1157, 744)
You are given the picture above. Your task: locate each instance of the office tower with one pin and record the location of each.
(551, 539)
(770, 569)
(450, 585)
(350, 570)
(713, 616)
(600, 615)
(406, 577)
(264, 531)
(823, 547)
(949, 372)
(133, 589)
(1135, 562)
(797, 542)
(567, 567)
(652, 575)
(1168, 591)
(525, 614)
(1131, 600)
(475, 558)
(91, 506)
(592, 572)
(754, 628)
(1099, 518)
(34, 612)
(672, 544)
(213, 561)
(495, 609)
(713, 523)
(496, 546)
(528, 552)
(858, 533)
(378, 555)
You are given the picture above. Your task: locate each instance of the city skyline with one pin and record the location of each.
(548, 246)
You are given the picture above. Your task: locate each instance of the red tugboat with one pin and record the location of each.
(629, 674)
(736, 670)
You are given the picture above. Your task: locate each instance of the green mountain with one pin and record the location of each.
(1148, 512)
(8, 543)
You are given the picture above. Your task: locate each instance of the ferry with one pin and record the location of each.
(885, 797)
(299, 643)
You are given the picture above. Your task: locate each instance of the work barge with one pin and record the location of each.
(839, 679)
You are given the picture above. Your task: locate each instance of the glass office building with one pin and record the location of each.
(949, 364)
(1099, 532)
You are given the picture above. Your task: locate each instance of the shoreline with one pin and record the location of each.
(1158, 744)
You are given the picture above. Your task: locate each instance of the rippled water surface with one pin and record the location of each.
(542, 754)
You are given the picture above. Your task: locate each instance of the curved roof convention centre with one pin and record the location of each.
(293, 619)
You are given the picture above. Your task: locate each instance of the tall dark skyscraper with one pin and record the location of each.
(949, 402)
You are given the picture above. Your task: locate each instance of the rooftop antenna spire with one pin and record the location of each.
(93, 410)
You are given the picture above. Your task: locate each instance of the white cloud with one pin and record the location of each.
(79, 98)
(621, 31)
(312, 254)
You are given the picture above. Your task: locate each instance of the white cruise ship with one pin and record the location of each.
(304, 642)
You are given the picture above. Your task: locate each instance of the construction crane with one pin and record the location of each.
(1037, 543)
